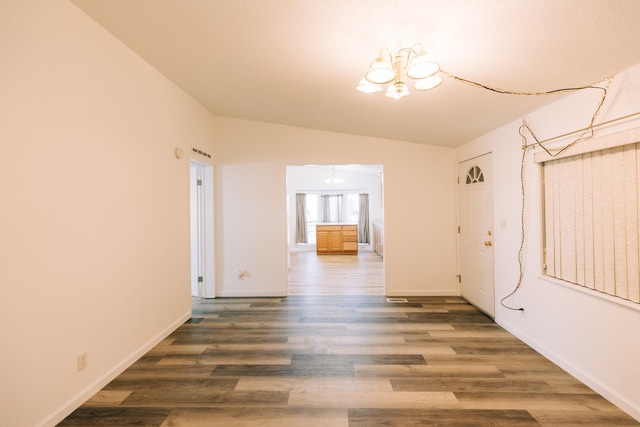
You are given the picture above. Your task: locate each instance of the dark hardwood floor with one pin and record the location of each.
(339, 361)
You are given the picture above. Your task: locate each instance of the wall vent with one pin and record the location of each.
(202, 153)
(397, 300)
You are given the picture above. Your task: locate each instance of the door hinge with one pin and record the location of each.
(199, 182)
(458, 179)
(459, 276)
(200, 279)
(458, 229)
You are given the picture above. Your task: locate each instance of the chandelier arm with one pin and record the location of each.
(397, 72)
(405, 59)
(415, 52)
(388, 53)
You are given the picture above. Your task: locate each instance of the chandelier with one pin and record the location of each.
(333, 179)
(396, 66)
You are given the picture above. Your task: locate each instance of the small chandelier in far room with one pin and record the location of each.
(395, 67)
(333, 179)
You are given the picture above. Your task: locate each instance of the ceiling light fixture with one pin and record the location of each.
(395, 67)
(333, 179)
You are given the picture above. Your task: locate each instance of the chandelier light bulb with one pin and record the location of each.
(334, 180)
(397, 90)
(367, 87)
(423, 69)
(422, 66)
(380, 72)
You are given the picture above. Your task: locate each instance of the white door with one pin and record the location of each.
(476, 233)
(195, 184)
(201, 208)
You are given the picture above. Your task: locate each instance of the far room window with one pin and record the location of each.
(353, 207)
(331, 207)
(313, 206)
(350, 207)
(591, 222)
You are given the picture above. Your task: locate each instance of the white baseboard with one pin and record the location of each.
(105, 379)
(422, 293)
(622, 402)
(249, 294)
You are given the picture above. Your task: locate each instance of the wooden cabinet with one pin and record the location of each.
(336, 239)
(350, 238)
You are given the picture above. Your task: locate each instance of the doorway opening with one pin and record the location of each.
(337, 196)
(201, 223)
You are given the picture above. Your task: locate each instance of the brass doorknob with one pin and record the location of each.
(488, 243)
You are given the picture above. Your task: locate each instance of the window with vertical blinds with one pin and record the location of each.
(591, 220)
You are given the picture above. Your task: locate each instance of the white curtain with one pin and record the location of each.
(331, 205)
(301, 218)
(363, 219)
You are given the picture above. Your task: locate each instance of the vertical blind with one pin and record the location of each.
(591, 221)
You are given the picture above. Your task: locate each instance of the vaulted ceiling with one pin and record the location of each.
(297, 62)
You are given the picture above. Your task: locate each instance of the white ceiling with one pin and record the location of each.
(297, 62)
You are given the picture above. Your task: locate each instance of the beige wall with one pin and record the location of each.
(592, 337)
(94, 231)
(419, 196)
(94, 224)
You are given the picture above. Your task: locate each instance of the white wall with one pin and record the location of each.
(251, 160)
(94, 224)
(594, 338)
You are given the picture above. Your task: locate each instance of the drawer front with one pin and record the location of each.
(353, 228)
(328, 228)
(350, 246)
(349, 236)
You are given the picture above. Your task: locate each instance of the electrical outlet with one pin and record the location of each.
(82, 360)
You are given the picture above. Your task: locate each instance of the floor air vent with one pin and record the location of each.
(397, 300)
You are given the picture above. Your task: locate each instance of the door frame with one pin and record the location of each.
(290, 189)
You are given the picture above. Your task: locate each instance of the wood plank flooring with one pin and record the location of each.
(338, 361)
(311, 274)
